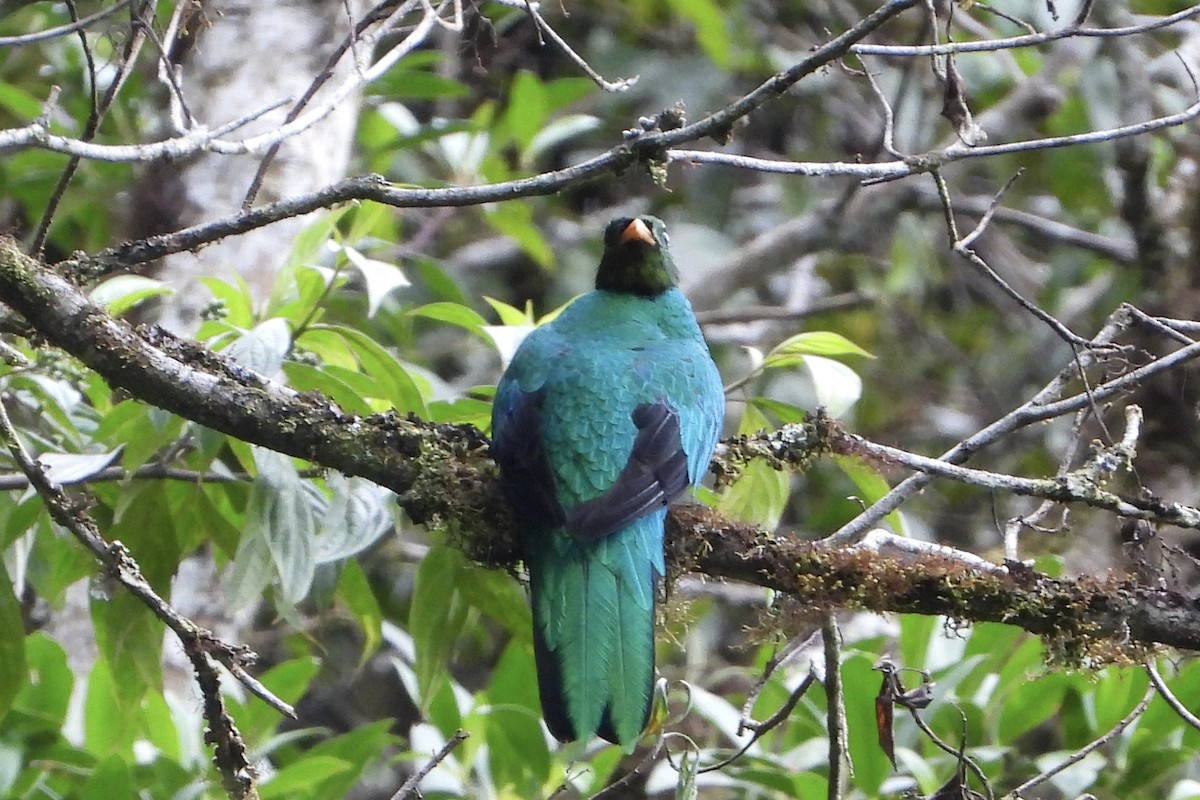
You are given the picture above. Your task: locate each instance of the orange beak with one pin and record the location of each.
(637, 231)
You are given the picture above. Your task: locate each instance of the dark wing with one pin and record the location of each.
(656, 473)
(524, 467)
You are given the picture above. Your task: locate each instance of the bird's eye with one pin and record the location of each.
(666, 238)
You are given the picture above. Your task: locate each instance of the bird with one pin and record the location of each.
(602, 418)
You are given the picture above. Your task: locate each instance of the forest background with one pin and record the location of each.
(944, 255)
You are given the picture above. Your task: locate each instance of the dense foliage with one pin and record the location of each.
(814, 291)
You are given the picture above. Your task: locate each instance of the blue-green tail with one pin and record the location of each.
(593, 630)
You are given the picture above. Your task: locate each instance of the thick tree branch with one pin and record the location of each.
(444, 476)
(1080, 616)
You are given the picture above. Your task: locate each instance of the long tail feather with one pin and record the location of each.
(593, 614)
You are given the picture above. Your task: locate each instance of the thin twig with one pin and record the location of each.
(382, 13)
(1084, 485)
(410, 786)
(958, 753)
(1045, 401)
(38, 245)
(986, 219)
(650, 146)
(1082, 752)
(1174, 702)
(840, 769)
(121, 566)
(14, 481)
(617, 786)
(821, 305)
(889, 121)
(1028, 40)
(62, 30)
(925, 162)
(544, 28)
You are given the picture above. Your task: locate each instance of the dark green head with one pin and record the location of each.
(636, 259)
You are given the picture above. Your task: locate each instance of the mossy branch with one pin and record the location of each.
(444, 477)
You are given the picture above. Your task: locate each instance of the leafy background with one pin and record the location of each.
(388, 639)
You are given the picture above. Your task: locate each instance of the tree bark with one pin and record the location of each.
(243, 56)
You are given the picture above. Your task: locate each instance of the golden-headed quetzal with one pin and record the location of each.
(603, 417)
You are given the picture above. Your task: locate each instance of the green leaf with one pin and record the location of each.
(758, 497)
(871, 485)
(127, 632)
(44, 693)
(513, 728)
(511, 315)
(417, 85)
(498, 596)
(462, 411)
(122, 292)
(110, 779)
(287, 681)
(110, 725)
(528, 108)
(236, 300)
(130, 640)
(57, 561)
(359, 749)
(298, 779)
(139, 431)
(306, 378)
(1031, 704)
(159, 726)
(515, 220)
(381, 277)
(12, 644)
(452, 313)
(308, 246)
(396, 384)
(791, 351)
(710, 27)
(436, 616)
(686, 788)
(786, 413)
(264, 347)
(329, 345)
(1117, 692)
(19, 102)
(355, 592)
(861, 684)
(283, 512)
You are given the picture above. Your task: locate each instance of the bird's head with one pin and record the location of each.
(636, 259)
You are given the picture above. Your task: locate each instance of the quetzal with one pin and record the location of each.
(604, 416)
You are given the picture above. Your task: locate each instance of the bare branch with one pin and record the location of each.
(544, 28)
(1160, 685)
(1047, 400)
(62, 30)
(410, 786)
(1028, 40)
(648, 148)
(1080, 486)
(840, 768)
(927, 162)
